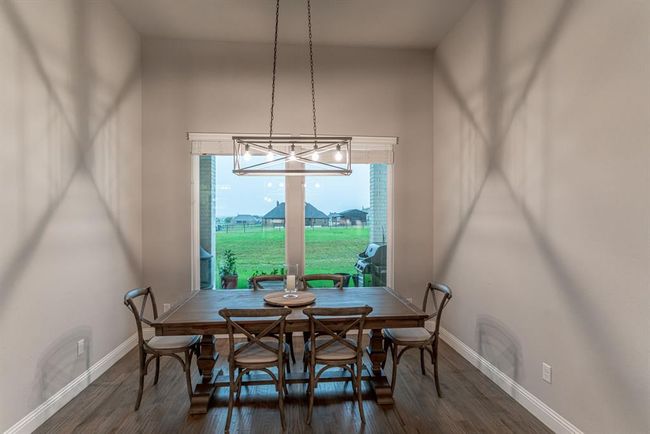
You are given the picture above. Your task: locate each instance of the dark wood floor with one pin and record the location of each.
(471, 403)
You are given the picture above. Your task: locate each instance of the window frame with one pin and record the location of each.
(369, 148)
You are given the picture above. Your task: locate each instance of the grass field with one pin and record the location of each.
(328, 250)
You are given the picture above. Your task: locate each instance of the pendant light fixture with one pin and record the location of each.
(292, 155)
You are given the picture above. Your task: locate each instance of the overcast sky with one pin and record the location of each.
(257, 195)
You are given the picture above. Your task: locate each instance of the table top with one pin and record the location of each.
(198, 314)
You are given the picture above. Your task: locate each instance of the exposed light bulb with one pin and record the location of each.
(339, 155)
(292, 153)
(269, 154)
(314, 155)
(247, 154)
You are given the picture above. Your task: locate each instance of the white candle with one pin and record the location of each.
(291, 282)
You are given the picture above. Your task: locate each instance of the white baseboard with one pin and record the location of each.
(530, 402)
(54, 403)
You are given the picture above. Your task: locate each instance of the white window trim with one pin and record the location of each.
(369, 150)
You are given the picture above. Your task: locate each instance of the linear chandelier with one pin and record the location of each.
(292, 155)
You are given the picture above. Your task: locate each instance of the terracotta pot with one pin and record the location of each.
(229, 282)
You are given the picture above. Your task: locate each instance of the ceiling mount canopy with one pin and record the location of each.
(292, 155)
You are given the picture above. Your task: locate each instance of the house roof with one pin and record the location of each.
(353, 213)
(245, 218)
(311, 212)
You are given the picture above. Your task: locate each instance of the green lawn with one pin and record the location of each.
(328, 250)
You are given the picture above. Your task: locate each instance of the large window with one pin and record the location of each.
(249, 225)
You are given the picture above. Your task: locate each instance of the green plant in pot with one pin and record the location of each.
(228, 270)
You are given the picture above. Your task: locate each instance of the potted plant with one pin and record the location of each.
(228, 270)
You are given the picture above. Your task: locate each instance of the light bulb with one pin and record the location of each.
(247, 154)
(269, 154)
(292, 154)
(339, 155)
(314, 155)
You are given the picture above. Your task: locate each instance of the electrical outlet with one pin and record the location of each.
(546, 372)
(166, 307)
(81, 347)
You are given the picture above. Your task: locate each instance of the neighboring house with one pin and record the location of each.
(334, 218)
(313, 216)
(350, 217)
(246, 219)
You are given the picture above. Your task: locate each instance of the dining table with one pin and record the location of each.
(198, 314)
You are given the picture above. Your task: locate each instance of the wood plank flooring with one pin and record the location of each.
(471, 404)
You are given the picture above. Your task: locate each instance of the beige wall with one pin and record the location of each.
(541, 201)
(70, 184)
(225, 87)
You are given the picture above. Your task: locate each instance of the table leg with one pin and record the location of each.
(377, 356)
(206, 361)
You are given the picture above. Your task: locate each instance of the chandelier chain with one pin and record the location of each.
(275, 61)
(311, 67)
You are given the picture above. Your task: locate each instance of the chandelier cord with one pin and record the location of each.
(275, 61)
(311, 68)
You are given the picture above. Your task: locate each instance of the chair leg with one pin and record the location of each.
(282, 389)
(393, 350)
(231, 396)
(359, 397)
(288, 365)
(188, 371)
(435, 371)
(312, 382)
(140, 388)
(422, 361)
(289, 339)
(281, 405)
(351, 376)
(238, 384)
(304, 362)
(155, 378)
(386, 346)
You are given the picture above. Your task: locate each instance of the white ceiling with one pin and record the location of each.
(376, 23)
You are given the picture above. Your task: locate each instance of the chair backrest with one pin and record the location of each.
(139, 313)
(335, 322)
(440, 296)
(255, 281)
(243, 321)
(336, 279)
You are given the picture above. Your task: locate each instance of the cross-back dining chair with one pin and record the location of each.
(419, 337)
(328, 346)
(337, 280)
(158, 346)
(256, 283)
(262, 350)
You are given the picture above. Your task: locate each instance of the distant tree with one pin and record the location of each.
(227, 220)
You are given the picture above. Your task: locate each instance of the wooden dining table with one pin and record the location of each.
(198, 315)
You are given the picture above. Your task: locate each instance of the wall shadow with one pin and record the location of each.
(500, 346)
(84, 140)
(496, 342)
(59, 364)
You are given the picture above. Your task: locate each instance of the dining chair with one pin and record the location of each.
(419, 337)
(336, 279)
(158, 346)
(262, 350)
(256, 283)
(329, 347)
